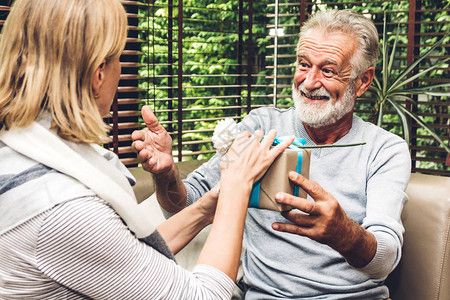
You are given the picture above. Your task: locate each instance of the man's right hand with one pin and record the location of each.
(153, 145)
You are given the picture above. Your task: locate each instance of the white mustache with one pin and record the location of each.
(321, 92)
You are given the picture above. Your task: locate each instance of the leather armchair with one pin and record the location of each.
(424, 269)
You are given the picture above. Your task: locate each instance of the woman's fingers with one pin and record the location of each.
(268, 139)
(254, 152)
(278, 149)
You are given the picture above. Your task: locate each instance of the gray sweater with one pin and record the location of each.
(369, 182)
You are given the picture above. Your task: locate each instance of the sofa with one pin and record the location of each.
(424, 270)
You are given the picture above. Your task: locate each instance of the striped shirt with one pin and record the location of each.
(82, 249)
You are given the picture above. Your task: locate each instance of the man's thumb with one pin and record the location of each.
(150, 119)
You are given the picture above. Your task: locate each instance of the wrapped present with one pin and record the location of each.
(295, 158)
(276, 178)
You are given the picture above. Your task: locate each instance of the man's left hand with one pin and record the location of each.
(326, 222)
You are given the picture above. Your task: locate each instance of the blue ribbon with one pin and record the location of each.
(299, 142)
(299, 168)
(254, 195)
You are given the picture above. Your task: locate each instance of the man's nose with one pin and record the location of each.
(312, 80)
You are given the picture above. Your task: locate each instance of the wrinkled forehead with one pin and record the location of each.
(328, 35)
(329, 43)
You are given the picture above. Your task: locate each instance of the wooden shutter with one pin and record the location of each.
(190, 90)
(4, 11)
(198, 75)
(125, 111)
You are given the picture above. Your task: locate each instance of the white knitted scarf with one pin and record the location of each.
(84, 163)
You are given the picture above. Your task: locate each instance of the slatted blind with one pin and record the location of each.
(239, 55)
(4, 10)
(426, 156)
(207, 61)
(196, 68)
(125, 116)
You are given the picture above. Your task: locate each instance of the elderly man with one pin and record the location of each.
(344, 240)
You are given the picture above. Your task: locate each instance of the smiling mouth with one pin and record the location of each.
(315, 97)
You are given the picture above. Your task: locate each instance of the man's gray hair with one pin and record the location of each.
(351, 23)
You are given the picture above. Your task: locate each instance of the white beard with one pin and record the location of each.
(322, 114)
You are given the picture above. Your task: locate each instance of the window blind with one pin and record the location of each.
(4, 10)
(125, 115)
(200, 69)
(196, 62)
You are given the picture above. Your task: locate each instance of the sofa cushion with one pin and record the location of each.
(145, 187)
(424, 271)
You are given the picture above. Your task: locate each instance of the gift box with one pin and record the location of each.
(276, 179)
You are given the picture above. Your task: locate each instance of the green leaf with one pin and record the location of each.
(375, 79)
(391, 60)
(429, 89)
(380, 114)
(438, 94)
(385, 55)
(405, 72)
(331, 146)
(403, 120)
(424, 126)
(412, 78)
(378, 92)
(404, 97)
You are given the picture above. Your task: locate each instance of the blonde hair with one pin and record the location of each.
(49, 51)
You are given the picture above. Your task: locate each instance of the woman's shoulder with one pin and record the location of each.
(28, 188)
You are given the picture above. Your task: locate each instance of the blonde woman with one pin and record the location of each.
(70, 226)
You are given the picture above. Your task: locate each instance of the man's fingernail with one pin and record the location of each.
(279, 196)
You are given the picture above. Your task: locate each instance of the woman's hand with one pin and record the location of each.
(207, 204)
(182, 227)
(246, 161)
(249, 158)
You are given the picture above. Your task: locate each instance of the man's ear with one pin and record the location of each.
(99, 76)
(364, 81)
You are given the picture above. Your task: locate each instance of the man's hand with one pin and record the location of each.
(154, 148)
(153, 145)
(326, 222)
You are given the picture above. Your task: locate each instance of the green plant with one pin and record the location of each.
(393, 88)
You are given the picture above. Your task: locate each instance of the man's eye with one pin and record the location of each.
(328, 72)
(303, 65)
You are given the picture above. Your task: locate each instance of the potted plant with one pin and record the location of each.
(393, 88)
